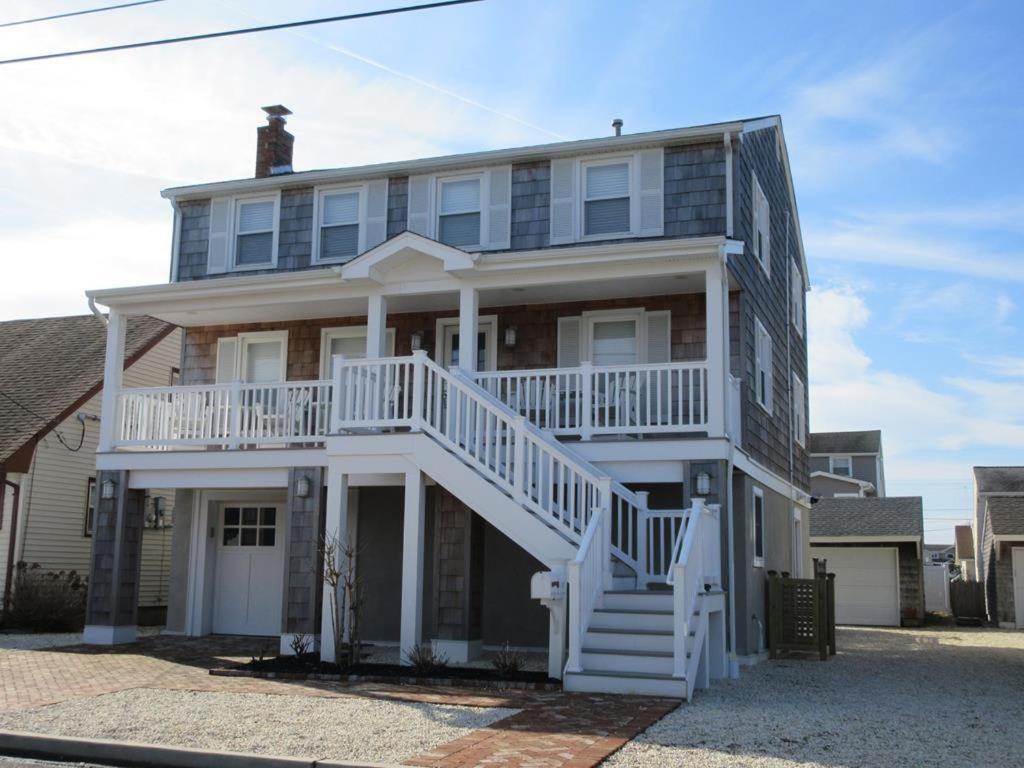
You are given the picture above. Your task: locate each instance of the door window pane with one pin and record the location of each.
(614, 342)
(263, 361)
(352, 347)
(481, 351)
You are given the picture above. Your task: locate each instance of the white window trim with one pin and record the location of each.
(256, 337)
(796, 298)
(347, 332)
(634, 196)
(832, 464)
(318, 195)
(760, 330)
(757, 196)
(438, 183)
(590, 319)
(236, 207)
(758, 493)
(800, 412)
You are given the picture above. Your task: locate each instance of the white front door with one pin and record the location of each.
(867, 584)
(250, 570)
(1018, 584)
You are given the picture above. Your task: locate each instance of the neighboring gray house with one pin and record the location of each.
(964, 552)
(846, 463)
(999, 542)
(939, 553)
(874, 546)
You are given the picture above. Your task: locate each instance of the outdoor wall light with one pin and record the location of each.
(107, 489)
(416, 341)
(302, 487)
(703, 483)
(510, 336)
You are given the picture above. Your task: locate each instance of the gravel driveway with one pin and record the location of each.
(892, 697)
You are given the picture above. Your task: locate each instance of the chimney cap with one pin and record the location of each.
(617, 125)
(276, 112)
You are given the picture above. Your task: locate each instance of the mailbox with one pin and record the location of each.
(548, 585)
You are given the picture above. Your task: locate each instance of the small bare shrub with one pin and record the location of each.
(44, 601)
(300, 644)
(425, 661)
(509, 662)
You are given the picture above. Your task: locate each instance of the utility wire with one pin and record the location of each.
(78, 13)
(244, 31)
(43, 419)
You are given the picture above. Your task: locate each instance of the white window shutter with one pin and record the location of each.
(563, 201)
(659, 336)
(419, 220)
(650, 164)
(499, 208)
(569, 341)
(227, 359)
(217, 248)
(769, 371)
(376, 213)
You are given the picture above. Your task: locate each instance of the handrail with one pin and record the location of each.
(672, 364)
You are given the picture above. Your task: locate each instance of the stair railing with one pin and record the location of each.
(585, 576)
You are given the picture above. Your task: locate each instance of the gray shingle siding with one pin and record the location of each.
(194, 241)
(531, 205)
(695, 190)
(398, 204)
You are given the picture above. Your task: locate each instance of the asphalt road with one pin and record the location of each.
(19, 762)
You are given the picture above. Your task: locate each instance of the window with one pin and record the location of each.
(761, 227)
(763, 386)
(606, 198)
(338, 222)
(799, 411)
(175, 378)
(349, 341)
(90, 507)
(757, 506)
(796, 297)
(841, 465)
(615, 337)
(249, 527)
(255, 233)
(458, 216)
(259, 357)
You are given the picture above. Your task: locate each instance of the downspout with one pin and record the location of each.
(789, 387)
(12, 539)
(96, 311)
(734, 666)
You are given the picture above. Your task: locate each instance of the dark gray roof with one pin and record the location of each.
(964, 542)
(867, 441)
(999, 479)
(1006, 515)
(49, 364)
(886, 516)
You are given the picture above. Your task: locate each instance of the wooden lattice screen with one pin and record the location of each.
(801, 613)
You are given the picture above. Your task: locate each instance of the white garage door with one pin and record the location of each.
(250, 570)
(867, 584)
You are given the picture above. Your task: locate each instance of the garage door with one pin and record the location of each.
(250, 570)
(867, 584)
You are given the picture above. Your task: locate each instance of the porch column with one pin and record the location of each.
(469, 324)
(113, 599)
(113, 368)
(717, 343)
(413, 520)
(335, 530)
(376, 326)
(302, 568)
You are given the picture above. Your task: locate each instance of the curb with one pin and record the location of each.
(445, 682)
(135, 755)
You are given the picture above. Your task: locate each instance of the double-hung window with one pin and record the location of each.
(458, 214)
(841, 465)
(761, 227)
(338, 222)
(763, 385)
(799, 411)
(757, 506)
(255, 233)
(796, 297)
(606, 198)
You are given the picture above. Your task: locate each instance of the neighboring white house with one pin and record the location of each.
(51, 374)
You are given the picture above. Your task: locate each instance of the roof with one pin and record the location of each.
(964, 542)
(999, 479)
(867, 441)
(864, 485)
(1006, 515)
(898, 516)
(49, 365)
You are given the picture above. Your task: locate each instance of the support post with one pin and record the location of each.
(586, 400)
(419, 380)
(335, 529)
(717, 339)
(642, 552)
(235, 414)
(519, 461)
(376, 326)
(469, 325)
(606, 506)
(556, 637)
(113, 368)
(413, 521)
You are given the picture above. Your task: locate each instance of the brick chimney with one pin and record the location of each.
(274, 144)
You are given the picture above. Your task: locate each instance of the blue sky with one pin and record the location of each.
(902, 121)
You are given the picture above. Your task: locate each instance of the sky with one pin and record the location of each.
(902, 122)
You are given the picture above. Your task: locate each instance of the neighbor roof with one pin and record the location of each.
(867, 441)
(999, 479)
(1006, 515)
(964, 542)
(49, 365)
(860, 517)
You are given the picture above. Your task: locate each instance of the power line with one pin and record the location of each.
(244, 31)
(78, 13)
(60, 437)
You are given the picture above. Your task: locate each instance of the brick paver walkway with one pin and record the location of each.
(553, 730)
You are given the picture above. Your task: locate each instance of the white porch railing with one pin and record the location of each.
(584, 575)
(616, 399)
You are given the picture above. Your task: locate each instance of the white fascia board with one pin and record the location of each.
(208, 478)
(863, 484)
(187, 461)
(764, 476)
(450, 162)
(859, 539)
(612, 451)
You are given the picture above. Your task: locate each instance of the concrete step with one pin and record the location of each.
(622, 639)
(594, 681)
(631, 661)
(638, 599)
(630, 618)
(623, 582)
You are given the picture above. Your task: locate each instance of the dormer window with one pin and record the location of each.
(255, 224)
(841, 465)
(606, 201)
(338, 212)
(458, 216)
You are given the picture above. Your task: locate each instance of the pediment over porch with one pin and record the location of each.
(408, 256)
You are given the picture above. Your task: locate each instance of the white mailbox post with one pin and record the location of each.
(550, 588)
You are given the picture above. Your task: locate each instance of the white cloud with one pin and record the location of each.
(1001, 365)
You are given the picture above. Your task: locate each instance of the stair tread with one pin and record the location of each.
(619, 673)
(605, 630)
(655, 592)
(634, 611)
(629, 652)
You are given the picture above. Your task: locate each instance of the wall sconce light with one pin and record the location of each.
(416, 341)
(107, 489)
(302, 487)
(703, 483)
(510, 336)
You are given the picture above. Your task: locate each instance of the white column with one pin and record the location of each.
(469, 323)
(113, 367)
(376, 326)
(411, 633)
(717, 308)
(335, 529)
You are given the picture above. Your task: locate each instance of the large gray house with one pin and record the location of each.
(998, 529)
(527, 385)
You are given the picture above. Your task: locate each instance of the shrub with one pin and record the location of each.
(44, 601)
(424, 660)
(509, 662)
